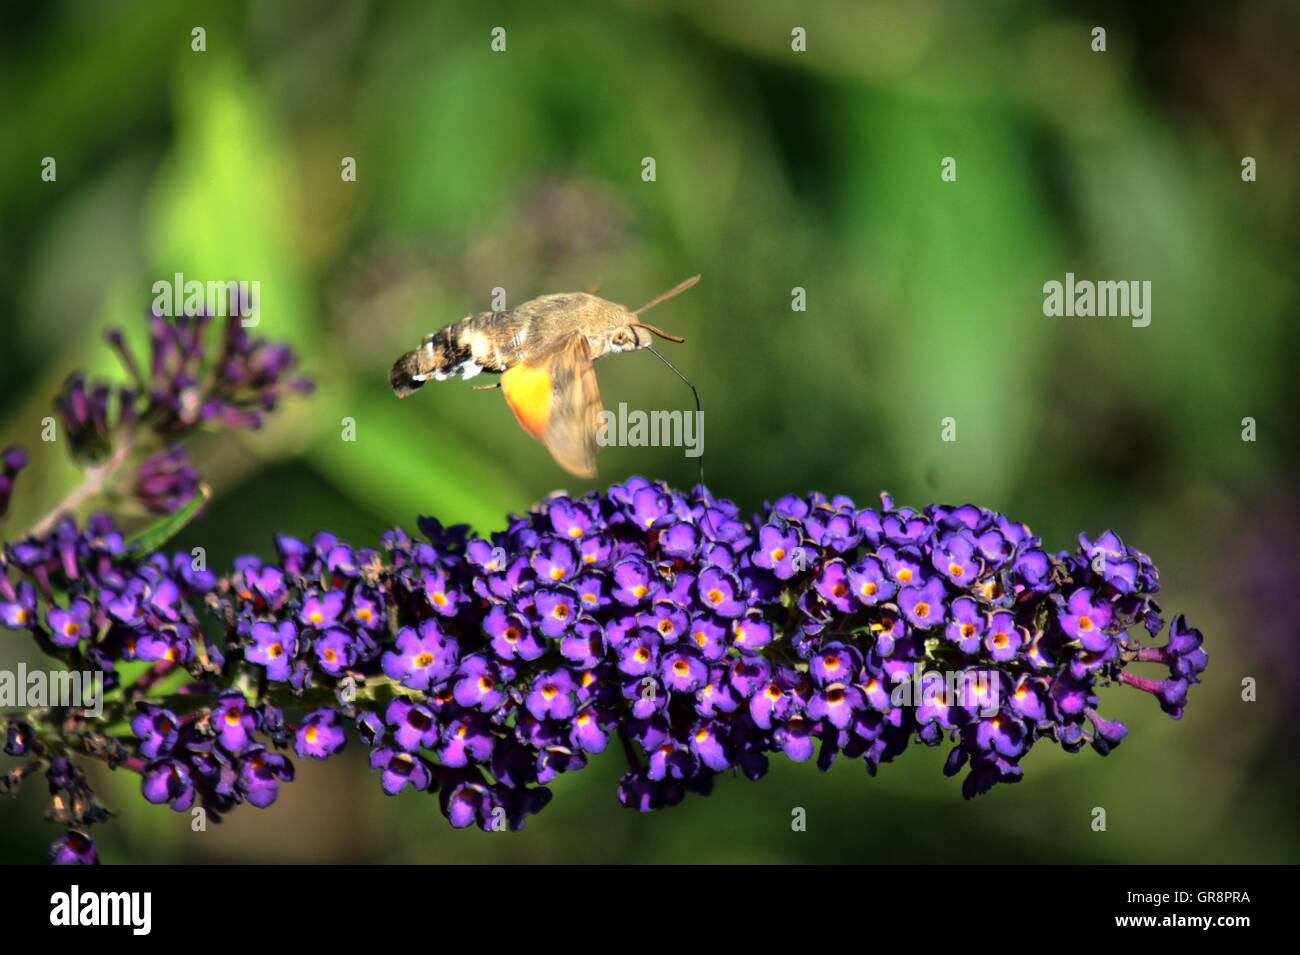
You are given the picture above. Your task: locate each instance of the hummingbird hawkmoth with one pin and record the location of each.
(544, 351)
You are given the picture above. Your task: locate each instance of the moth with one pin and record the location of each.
(544, 350)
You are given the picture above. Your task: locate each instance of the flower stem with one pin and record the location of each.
(94, 483)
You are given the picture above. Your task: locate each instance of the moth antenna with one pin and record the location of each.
(698, 409)
(659, 331)
(677, 289)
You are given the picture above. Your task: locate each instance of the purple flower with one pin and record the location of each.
(260, 775)
(777, 549)
(274, 647)
(422, 659)
(924, 606)
(511, 636)
(720, 592)
(165, 483)
(588, 734)
(400, 769)
(751, 632)
(667, 620)
(1111, 560)
(335, 651)
(234, 721)
(12, 461)
(650, 506)
(554, 563)
(640, 655)
(835, 663)
(571, 519)
(633, 582)
(68, 627)
(479, 684)
(552, 696)
(322, 611)
(557, 610)
(967, 626)
(1004, 639)
(868, 583)
(1085, 619)
(19, 612)
(413, 725)
(467, 740)
(74, 848)
(834, 586)
(836, 703)
(683, 670)
(156, 728)
(168, 781)
(954, 557)
(709, 636)
(443, 598)
(320, 735)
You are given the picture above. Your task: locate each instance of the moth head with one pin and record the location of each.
(637, 335)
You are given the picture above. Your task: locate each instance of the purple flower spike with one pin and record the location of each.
(485, 668)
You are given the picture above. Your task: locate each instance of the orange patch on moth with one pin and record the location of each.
(527, 389)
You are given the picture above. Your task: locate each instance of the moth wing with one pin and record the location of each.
(556, 399)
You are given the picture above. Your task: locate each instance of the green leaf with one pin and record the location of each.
(153, 537)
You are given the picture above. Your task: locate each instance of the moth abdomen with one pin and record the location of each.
(432, 360)
(407, 375)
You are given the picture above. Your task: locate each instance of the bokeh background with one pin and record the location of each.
(774, 170)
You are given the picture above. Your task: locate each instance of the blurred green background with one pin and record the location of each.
(775, 170)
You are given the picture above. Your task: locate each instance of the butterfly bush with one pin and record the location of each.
(662, 623)
(478, 669)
